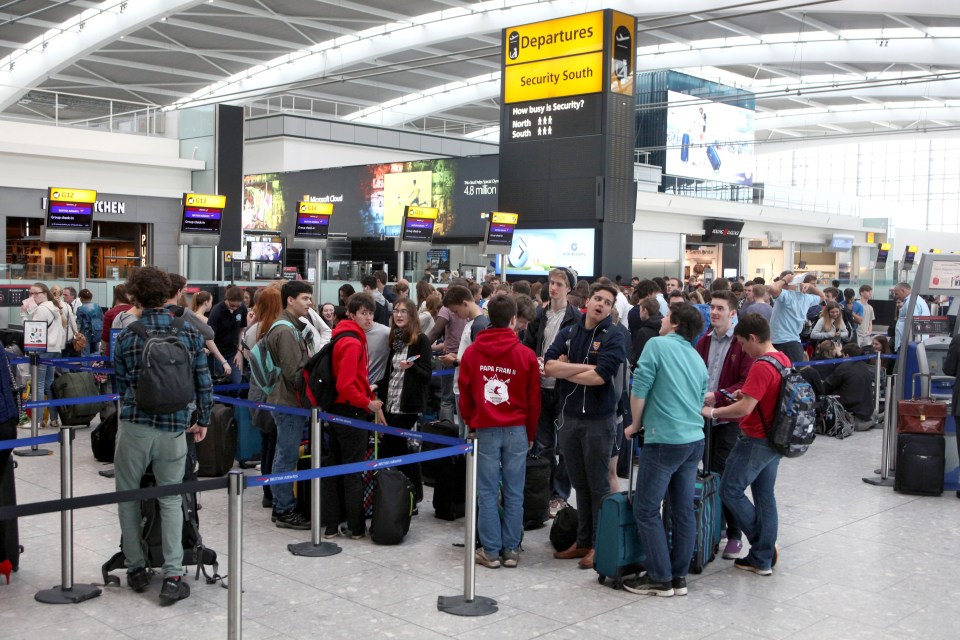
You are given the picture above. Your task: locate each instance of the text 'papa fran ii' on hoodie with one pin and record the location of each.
(500, 383)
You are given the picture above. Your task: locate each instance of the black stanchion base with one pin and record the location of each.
(59, 595)
(32, 453)
(879, 482)
(310, 550)
(459, 606)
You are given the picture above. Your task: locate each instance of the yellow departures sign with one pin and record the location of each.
(567, 36)
(499, 217)
(554, 59)
(428, 213)
(557, 78)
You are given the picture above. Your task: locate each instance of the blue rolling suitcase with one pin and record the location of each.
(707, 513)
(249, 441)
(714, 158)
(685, 148)
(617, 551)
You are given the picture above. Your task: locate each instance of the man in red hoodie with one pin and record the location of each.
(355, 399)
(500, 402)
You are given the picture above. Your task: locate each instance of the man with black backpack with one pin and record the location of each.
(160, 370)
(289, 351)
(754, 460)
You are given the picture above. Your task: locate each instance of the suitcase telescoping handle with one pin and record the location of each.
(631, 480)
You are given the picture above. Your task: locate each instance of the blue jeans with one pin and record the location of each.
(586, 444)
(46, 374)
(289, 436)
(753, 462)
(501, 453)
(448, 403)
(672, 469)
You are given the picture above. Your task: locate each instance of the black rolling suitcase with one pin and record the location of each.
(393, 504)
(450, 488)
(536, 492)
(215, 453)
(920, 464)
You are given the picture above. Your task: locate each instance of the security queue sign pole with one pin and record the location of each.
(34, 343)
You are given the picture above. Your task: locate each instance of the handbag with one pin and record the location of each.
(921, 415)
(79, 342)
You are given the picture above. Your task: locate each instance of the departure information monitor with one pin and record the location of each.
(202, 213)
(313, 220)
(70, 209)
(500, 231)
(418, 223)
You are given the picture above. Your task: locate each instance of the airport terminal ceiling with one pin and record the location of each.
(818, 68)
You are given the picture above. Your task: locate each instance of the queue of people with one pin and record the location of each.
(540, 370)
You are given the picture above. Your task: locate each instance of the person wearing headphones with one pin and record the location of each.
(584, 358)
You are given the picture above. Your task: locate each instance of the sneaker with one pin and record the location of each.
(292, 520)
(346, 532)
(645, 586)
(732, 550)
(679, 586)
(331, 531)
(138, 579)
(510, 558)
(555, 505)
(746, 565)
(483, 559)
(173, 589)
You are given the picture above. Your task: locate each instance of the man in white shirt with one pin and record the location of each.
(865, 328)
(920, 308)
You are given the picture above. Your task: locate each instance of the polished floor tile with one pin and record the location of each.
(857, 562)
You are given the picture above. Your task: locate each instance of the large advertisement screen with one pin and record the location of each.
(536, 251)
(370, 199)
(709, 140)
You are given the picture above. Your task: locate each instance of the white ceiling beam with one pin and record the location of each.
(909, 22)
(816, 24)
(848, 69)
(233, 33)
(728, 26)
(155, 68)
(783, 73)
(62, 48)
(669, 37)
(94, 82)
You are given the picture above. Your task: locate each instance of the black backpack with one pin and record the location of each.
(317, 384)
(563, 532)
(165, 378)
(792, 428)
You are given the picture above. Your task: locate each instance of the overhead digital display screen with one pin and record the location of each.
(202, 213)
(536, 251)
(313, 220)
(70, 209)
(547, 119)
(709, 140)
(418, 223)
(502, 226)
(370, 199)
(265, 251)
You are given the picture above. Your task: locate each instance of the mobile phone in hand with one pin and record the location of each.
(412, 358)
(728, 395)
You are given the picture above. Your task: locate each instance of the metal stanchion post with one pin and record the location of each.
(315, 547)
(67, 592)
(235, 551)
(34, 450)
(876, 387)
(469, 604)
(887, 452)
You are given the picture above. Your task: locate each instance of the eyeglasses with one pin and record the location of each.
(35, 293)
(400, 312)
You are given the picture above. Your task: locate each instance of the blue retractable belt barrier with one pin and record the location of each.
(816, 363)
(64, 402)
(29, 442)
(443, 372)
(357, 467)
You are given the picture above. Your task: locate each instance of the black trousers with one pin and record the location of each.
(347, 444)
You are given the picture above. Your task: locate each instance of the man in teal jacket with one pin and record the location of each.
(669, 385)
